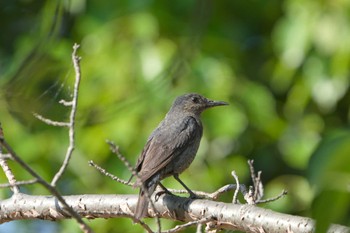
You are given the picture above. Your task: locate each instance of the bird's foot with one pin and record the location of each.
(194, 196)
(160, 193)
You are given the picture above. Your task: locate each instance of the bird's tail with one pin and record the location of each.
(142, 205)
(141, 210)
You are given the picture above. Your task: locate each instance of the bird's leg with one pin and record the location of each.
(130, 179)
(192, 195)
(165, 190)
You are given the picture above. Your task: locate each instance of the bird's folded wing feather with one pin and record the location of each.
(165, 145)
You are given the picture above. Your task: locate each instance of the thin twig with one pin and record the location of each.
(214, 195)
(9, 175)
(259, 188)
(143, 224)
(104, 172)
(199, 228)
(74, 103)
(249, 196)
(252, 171)
(258, 191)
(115, 149)
(1, 135)
(235, 195)
(5, 156)
(19, 183)
(282, 194)
(51, 122)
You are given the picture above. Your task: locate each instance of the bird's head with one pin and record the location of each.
(194, 103)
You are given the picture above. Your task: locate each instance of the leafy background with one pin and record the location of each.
(282, 65)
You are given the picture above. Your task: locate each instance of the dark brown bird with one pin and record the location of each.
(171, 147)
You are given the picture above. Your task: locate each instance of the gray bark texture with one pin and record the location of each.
(243, 217)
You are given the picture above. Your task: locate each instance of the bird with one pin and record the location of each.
(171, 147)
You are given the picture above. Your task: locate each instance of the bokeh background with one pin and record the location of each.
(283, 65)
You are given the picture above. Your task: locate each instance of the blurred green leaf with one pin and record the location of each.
(330, 175)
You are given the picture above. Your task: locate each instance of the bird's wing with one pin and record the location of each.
(166, 144)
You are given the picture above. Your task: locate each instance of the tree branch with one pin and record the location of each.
(247, 218)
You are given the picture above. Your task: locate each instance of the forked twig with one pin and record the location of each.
(74, 103)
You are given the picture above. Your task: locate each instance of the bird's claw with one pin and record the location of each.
(160, 193)
(194, 196)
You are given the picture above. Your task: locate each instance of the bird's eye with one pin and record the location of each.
(195, 99)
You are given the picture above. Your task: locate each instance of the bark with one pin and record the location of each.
(247, 218)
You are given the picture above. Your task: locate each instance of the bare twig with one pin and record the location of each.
(19, 183)
(199, 228)
(10, 177)
(282, 194)
(51, 122)
(249, 196)
(258, 191)
(259, 188)
(65, 102)
(1, 135)
(7, 170)
(5, 156)
(235, 195)
(143, 224)
(214, 195)
(252, 170)
(74, 103)
(104, 172)
(115, 149)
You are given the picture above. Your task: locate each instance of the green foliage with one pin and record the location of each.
(282, 65)
(330, 176)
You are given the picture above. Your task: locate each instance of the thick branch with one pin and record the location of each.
(247, 218)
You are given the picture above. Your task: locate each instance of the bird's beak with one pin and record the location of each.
(214, 103)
